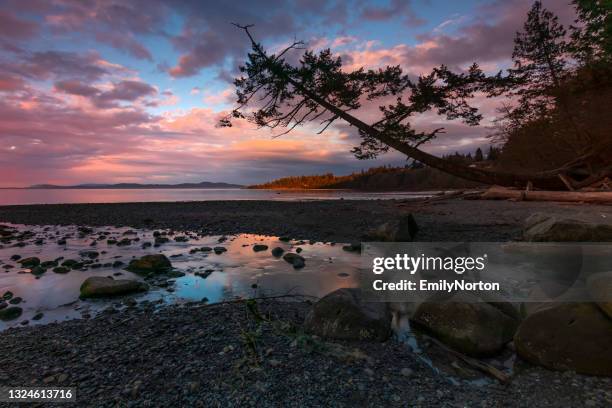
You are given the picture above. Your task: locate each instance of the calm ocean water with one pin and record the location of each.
(65, 196)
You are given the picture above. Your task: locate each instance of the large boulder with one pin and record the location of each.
(468, 324)
(99, 286)
(599, 287)
(402, 230)
(553, 228)
(571, 336)
(156, 263)
(344, 314)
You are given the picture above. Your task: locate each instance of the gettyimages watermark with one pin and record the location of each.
(514, 271)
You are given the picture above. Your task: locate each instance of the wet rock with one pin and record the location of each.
(552, 228)
(124, 242)
(156, 263)
(38, 316)
(352, 247)
(468, 324)
(16, 300)
(161, 240)
(37, 270)
(572, 336)
(10, 313)
(117, 264)
(401, 230)
(89, 254)
(294, 259)
(278, 252)
(3, 304)
(70, 263)
(260, 247)
(599, 287)
(85, 230)
(97, 286)
(344, 314)
(61, 269)
(29, 262)
(175, 274)
(219, 250)
(8, 295)
(15, 257)
(181, 238)
(48, 264)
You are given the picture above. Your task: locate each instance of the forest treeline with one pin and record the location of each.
(414, 177)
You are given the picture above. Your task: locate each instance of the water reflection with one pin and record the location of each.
(239, 272)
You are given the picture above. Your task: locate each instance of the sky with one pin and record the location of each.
(109, 91)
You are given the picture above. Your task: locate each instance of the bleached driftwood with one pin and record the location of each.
(497, 193)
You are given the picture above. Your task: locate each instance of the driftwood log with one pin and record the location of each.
(501, 193)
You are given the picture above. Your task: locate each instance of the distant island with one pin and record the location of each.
(203, 184)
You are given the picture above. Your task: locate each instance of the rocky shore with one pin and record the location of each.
(220, 355)
(269, 353)
(334, 220)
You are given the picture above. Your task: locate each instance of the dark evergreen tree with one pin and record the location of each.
(478, 156)
(493, 153)
(592, 36)
(539, 64)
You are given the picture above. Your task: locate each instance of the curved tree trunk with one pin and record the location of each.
(549, 180)
(545, 180)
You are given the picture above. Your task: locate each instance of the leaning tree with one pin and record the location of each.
(274, 93)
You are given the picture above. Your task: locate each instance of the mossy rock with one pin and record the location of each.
(10, 313)
(571, 336)
(156, 263)
(98, 286)
(468, 324)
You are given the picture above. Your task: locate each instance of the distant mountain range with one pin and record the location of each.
(203, 184)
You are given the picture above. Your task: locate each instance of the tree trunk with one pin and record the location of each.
(545, 180)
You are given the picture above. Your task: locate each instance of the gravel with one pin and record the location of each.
(199, 355)
(333, 220)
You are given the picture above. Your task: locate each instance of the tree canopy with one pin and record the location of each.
(319, 89)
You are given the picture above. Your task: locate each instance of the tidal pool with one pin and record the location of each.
(239, 272)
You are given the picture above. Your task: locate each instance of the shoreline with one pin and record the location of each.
(141, 353)
(451, 220)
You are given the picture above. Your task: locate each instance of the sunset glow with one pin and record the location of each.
(98, 92)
